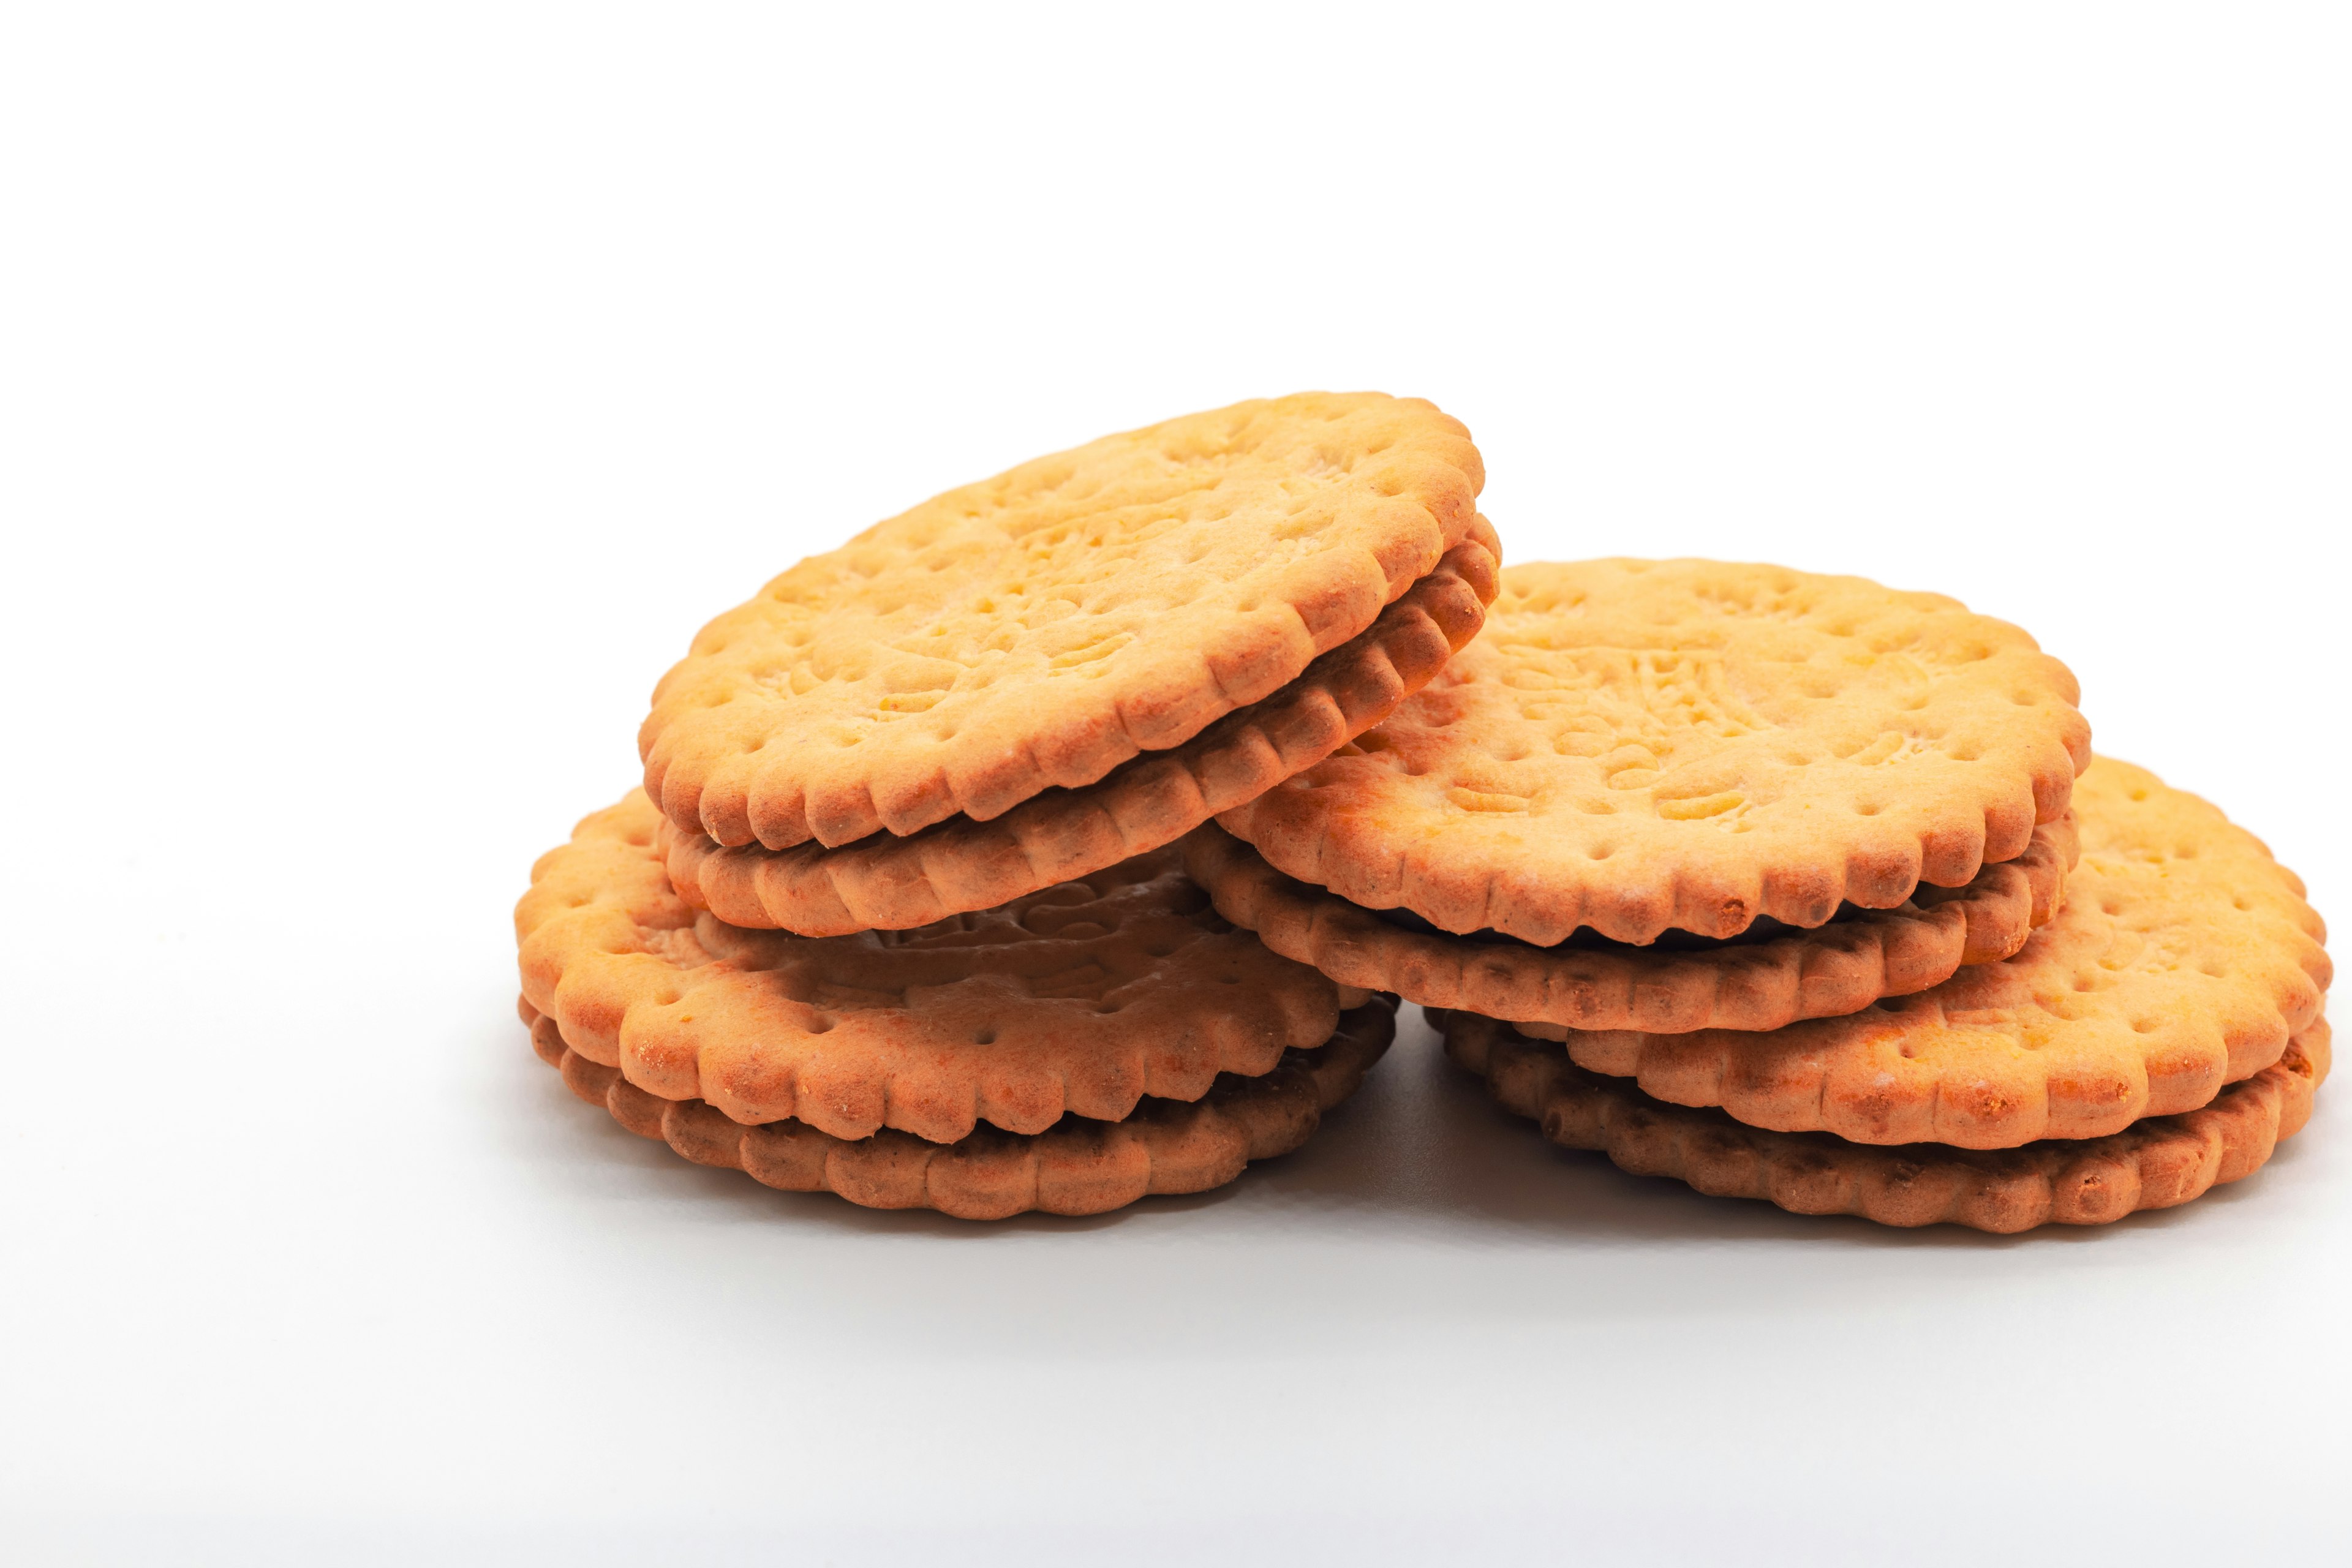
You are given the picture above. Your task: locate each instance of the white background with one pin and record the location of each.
(386, 397)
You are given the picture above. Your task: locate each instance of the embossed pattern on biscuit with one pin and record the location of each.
(1079, 999)
(1827, 971)
(1637, 746)
(2158, 1163)
(1074, 1167)
(1038, 628)
(885, 882)
(2184, 958)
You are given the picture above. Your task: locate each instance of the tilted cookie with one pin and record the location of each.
(1752, 983)
(1080, 999)
(2183, 960)
(1636, 746)
(1074, 1167)
(1037, 629)
(2156, 1164)
(885, 882)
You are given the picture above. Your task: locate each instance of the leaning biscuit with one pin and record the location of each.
(2156, 1164)
(2184, 958)
(1635, 746)
(1079, 999)
(885, 882)
(1829, 970)
(1037, 629)
(1073, 1167)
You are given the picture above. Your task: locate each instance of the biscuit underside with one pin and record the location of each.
(2156, 1164)
(1035, 630)
(1827, 971)
(888, 883)
(1636, 747)
(1076, 1167)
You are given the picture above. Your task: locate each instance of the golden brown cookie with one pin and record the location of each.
(1079, 999)
(1754, 982)
(2183, 960)
(885, 882)
(2156, 1164)
(1635, 746)
(1037, 629)
(1074, 1167)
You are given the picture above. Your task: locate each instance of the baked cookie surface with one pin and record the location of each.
(1038, 628)
(1079, 999)
(2183, 959)
(2159, 1162)
(1754, 983)
(1074, 1167)
(886, 882)
(1634, 746)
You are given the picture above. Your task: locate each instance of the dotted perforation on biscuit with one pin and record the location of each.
(2183, 959)
(1081, 998)
(1832, 971)
(1040, 628)
(958, 865)
(1612, 752)
(2158, 1163)
(1076, 1167)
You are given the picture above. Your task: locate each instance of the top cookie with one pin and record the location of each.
(1038, 628)
(1633, 746)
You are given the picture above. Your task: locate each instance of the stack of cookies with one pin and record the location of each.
(1073, 836)
(1794, 888)
(901, 913)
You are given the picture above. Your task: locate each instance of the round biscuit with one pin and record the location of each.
(1036, 630)
(1634, 746)
(1081, 998)
(1074, 1167)
(2158, 1163)
(2183, 959)
(885, 882)
(1829, 970)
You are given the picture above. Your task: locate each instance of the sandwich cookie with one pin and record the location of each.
(1633, 747)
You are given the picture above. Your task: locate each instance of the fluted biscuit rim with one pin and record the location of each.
(1077, 1167)
(1083, 997)
(1827, 971)
(1637, 746)
(2184, 958)
(1036, 630)
(2158, 1163)
(885, 882)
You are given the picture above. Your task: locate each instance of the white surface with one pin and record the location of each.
(384, 402)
